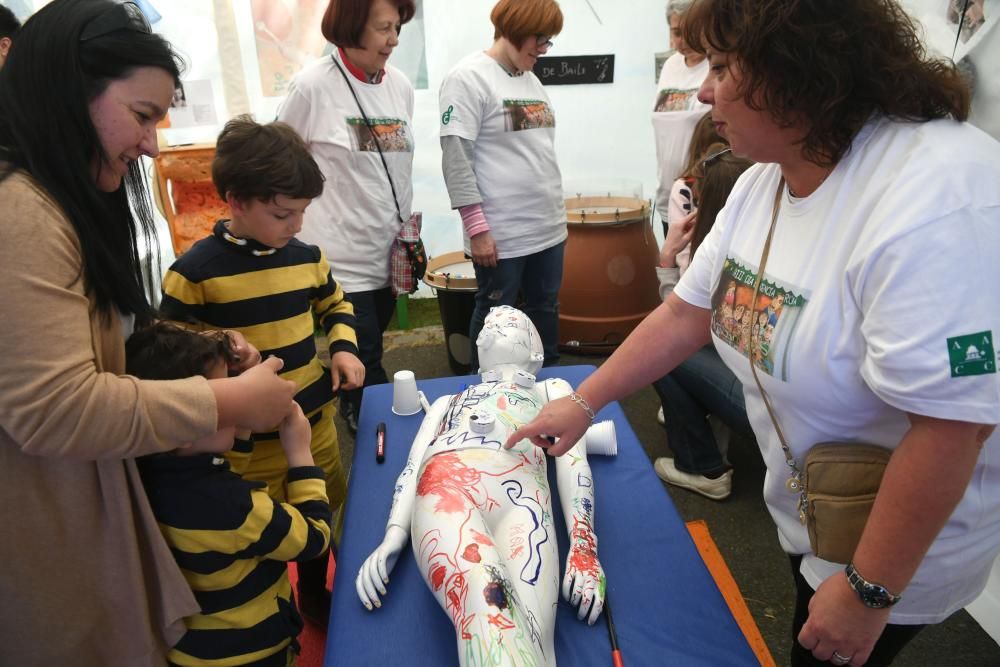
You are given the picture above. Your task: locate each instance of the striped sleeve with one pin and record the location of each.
(334, 312)
(183, 299)
(297, 530)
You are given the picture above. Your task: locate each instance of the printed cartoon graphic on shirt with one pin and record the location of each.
(764, 329)
(527, 115)
(672, 99)
(393, 135)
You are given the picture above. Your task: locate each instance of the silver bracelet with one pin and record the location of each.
(582, 402)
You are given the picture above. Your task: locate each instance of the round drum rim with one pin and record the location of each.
(627, 210)
(443, 281)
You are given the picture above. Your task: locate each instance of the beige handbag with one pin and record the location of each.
(837, 489)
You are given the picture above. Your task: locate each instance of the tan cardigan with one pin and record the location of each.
(85, 576)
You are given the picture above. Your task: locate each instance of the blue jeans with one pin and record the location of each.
(701, 385)
(372, 312)
(537, 278)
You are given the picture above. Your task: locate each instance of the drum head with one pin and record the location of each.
(605, 210)
(451, 271)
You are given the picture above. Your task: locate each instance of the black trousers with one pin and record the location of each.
(373, 311)
(892, 641)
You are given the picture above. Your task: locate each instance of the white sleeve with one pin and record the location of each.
(930, 313)
(680, 202)
(461, 105)
(695, 285)
(297, 110)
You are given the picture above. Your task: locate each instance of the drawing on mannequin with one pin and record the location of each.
(480, 516)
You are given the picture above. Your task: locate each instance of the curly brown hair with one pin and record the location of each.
(829, 64)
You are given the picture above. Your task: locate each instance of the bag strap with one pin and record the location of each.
(395, 198)
(796, 482)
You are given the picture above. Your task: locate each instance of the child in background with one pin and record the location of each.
(230, 539)
(253, 276)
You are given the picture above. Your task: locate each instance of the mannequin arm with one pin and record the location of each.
(374, 573)
(584, 583)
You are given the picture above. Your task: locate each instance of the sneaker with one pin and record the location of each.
(347, 414)
(315, 608)
(716, 489)
(660, 419)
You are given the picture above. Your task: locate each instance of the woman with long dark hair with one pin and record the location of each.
(87, 578)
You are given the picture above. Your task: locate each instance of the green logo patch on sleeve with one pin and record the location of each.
(972, 354)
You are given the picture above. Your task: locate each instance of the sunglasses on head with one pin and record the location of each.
(123, 16)
(713, 158)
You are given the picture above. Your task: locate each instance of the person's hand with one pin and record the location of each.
(839, 622)
(247, 355)
(484, 249)
(265, 399)
(373, 576)
(561, 419)
(583, 585)
(296, 438)
(678, 237)
(346, 371)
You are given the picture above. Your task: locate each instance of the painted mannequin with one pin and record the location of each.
(481, 516)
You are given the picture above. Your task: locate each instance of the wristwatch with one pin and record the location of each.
(872, 595)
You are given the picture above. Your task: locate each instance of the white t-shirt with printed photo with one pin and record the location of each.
(510, 120)
(880, 297)
(675, 113)
(355, 220)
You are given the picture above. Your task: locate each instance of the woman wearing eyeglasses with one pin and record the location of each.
(500, 167)
(85, 575)
(866, 244)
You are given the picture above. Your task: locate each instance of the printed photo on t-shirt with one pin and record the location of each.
(672, 99)
(527, 115)
(762, 331)
(393, 135)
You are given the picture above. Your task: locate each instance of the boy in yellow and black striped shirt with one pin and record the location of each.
(229, 537)
(253, 276)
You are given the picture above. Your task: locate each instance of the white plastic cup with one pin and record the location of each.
(601, 439)
(405, 398)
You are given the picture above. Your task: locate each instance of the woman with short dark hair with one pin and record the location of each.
(866, 247)
(499, 162)
(87, 577)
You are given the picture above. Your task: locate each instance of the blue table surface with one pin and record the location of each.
(667, 608)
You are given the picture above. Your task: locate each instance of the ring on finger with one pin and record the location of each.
(839, 659)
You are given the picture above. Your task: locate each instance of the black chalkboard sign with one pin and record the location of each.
(566, 70)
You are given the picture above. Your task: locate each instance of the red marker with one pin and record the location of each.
(616, 654)
(380, 443)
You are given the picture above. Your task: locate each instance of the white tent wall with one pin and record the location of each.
(604, 136)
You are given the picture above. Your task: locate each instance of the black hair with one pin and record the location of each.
(9, 25)
(46, 86)
(165, 351)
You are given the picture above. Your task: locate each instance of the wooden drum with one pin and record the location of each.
(609, 272)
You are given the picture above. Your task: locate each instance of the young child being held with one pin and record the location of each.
(230, 539)
(253, 276)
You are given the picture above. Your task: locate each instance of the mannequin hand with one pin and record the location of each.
(346, 371)
(484, 249)
(678, 237)
(374, 573)
(839, 621)
(584, 584)
(562, 419)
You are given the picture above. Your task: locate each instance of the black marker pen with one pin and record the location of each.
(380, 443)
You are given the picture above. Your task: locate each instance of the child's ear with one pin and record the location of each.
(235, 203)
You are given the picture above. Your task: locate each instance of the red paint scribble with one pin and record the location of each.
(464, 625)
(471, 553)
(479, 537)
(583, 552)
(514, 553)
(437, 577)
(500, 621)
(448, 478)
(502, 402)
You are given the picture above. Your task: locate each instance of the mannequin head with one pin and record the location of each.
(509, 340)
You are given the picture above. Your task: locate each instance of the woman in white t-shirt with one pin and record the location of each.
(338, 104)
(676, 109)
(499, 161)
(877, 314)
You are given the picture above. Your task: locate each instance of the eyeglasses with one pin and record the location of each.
(123, 16)
(543, 42)
(714, 157)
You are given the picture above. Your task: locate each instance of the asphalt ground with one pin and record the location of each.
(740, 525)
